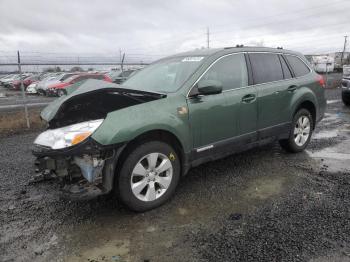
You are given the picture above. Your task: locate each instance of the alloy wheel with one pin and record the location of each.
(151, 176)
(302, 130)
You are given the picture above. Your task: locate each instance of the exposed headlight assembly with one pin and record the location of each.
(67, 136)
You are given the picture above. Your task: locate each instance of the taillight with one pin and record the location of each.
(321, 81)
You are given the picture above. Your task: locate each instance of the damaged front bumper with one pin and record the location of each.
(84, 171)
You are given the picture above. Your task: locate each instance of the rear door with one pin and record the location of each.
(241, 100)
(273, 96)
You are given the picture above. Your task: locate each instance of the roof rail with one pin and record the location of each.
(237, 46)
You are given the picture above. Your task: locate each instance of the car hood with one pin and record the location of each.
(92, 99)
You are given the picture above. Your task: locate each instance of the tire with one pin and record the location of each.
(346, 100)
(150, 184)
(298, 140)
(61, 92)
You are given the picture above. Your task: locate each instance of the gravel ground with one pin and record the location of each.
(261, 205)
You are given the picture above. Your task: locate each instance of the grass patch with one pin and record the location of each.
(14, 122)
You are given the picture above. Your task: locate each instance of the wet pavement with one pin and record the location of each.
(261, 205)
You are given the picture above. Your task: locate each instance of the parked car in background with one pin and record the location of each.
(120, 76)
(32, 88)
(58, 89)
(54, 78)
(142, 136)
(16, 85)
(15, 80)
(345, 84)
(6, 79)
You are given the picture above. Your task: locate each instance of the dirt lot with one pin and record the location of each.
(14, 122)
(261, 205)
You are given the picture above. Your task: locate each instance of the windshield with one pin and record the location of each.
(165, 76)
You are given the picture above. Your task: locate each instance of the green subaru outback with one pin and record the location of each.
(140, 137)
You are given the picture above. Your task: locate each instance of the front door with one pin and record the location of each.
(221, 117)
(208, 119)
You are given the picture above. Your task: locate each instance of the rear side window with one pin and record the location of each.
(266, 67)
(286, 72)
(298, 66)
(230, 70)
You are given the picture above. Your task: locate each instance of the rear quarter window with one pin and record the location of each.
(286, 72)
(298, 66)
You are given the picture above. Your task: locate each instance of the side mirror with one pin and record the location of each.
(209, 87)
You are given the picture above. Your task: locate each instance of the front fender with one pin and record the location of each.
(126, 124)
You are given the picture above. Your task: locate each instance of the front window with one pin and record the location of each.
(165, 76)
(230, 71)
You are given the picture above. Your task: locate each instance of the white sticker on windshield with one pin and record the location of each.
(192, 59)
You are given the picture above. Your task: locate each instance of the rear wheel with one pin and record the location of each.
(148, 176)
(300, 134)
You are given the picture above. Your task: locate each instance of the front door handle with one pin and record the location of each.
(248, 98)
(292, 88)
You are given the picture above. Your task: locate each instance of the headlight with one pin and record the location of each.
(68, 135)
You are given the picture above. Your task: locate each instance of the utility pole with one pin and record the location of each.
(122, 62)
(208, 39)
(22, 88)
(342, 55)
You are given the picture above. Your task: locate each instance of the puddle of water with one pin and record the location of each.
(325, 134)
(326, 153)
(156, 236)
(333, 101)
(114, 250)
(265, 188)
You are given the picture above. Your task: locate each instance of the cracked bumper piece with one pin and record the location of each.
(84, 171)
(81, 192)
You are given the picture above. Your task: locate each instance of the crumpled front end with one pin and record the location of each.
(66, 151)
(83, 171)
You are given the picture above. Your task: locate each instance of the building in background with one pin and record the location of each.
(322, 63)
(333, 61)
(338, 63)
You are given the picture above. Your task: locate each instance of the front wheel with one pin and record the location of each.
(148, 176)
(61, 92)
(300, 134)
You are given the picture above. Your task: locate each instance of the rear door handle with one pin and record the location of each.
(248, 98)
(292, 88)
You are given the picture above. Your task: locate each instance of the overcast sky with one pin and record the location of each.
(151, 29)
